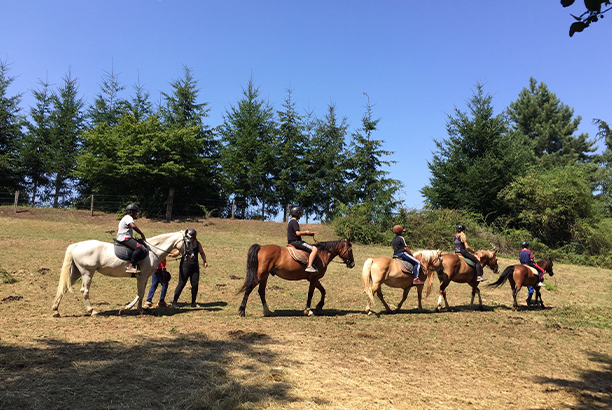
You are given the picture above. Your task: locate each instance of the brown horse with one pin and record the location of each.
(523, 275)
(276, 260)
(388, 271)
(455, 269)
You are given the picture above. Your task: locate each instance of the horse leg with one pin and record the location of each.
(311, 287)
(404, 296)
(321, 303)
(420, 297)
(443, 287)
(262, 295)
(86, 282)
(476, 291)
(515, 289)
(141, 287)
(75, 274)
(539, 297)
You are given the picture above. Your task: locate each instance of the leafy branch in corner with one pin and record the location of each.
(592, 14)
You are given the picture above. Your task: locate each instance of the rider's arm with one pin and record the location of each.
(134, 227)
(305, 233)
(201, 250)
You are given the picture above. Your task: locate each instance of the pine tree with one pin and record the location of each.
(34, 151)
(549, 126)
(478, 159)
(108, 106)
(10, 133)
(326, 162)
(68, 124)
(249, 152)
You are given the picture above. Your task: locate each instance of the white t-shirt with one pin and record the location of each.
(125, 230)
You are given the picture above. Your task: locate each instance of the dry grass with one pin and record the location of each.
(209, 358)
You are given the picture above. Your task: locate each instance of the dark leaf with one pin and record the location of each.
(593, 5)
(576, 28)
(567, 3)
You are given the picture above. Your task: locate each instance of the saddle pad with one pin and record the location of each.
(298, 255)
(533, 270)
(469, 262)
(405, 266)
(124, 253)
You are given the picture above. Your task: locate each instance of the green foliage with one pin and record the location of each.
(10, 132)
(6, 277)
(108, 107)
(592, 14)
(356, 224)
(549, 203)
(477, 160)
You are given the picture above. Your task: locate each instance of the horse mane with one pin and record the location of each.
(428, 255)
(327, 246)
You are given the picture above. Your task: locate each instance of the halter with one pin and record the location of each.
(345, 258)
(171, 247)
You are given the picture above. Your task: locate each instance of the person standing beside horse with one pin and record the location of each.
(162, 276)
(526, 258)
(189, 269)
(400, 250)
(462, 248)
(125, 237)
(294, 238)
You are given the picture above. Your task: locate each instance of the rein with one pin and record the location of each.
(163, 250)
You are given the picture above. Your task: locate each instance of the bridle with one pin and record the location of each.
(184, 239)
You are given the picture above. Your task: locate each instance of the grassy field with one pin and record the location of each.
(209, 358)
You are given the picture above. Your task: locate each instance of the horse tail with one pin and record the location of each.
(503, 277)
(429, 282)
(250, 281)
(366, 277)
(65, 283)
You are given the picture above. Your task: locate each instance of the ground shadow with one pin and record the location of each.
(185, 371)
(594, 388)
(324, 312)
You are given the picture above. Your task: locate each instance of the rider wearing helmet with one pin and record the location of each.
(294, 237)
(189, 268)
(462, 248)
(526, 258)
(401, 251)
(125, 236)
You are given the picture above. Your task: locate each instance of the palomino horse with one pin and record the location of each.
(522, 275)
(276, 260)
(83, 259)
(455, 269)
(388, 271)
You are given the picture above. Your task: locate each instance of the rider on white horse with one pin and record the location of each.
(125, 237)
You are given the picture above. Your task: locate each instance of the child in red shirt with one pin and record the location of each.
(161, 276)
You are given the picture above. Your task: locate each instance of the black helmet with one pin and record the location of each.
(294, 211)
(191, 233)
(525, 244)
(460, 228)
(130, 208)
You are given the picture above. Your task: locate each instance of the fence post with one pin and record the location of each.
(16, 200)
(169, 205)
(92, 202)
(233, 207)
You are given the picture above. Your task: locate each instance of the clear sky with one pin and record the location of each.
(417, 60)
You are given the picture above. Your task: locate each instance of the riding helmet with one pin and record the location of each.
(525, 244)
(191, 233)
(398, 229)
(296, 210)
(130, 208)
(460, 228)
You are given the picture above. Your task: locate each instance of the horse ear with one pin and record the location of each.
(494, 252)
(348, 241)
(185, 233)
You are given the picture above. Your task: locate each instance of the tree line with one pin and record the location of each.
(260, 159)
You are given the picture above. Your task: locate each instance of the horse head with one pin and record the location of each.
(345, 251)
(489, 258)
(547, 265)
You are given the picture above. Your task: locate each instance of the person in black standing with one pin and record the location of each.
(189, 269)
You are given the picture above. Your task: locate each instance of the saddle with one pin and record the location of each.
(469, 262)
(124, 253)
(300, 256)
(533, 270)
(405, 266)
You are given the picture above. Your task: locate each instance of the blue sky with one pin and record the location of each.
(417, 60)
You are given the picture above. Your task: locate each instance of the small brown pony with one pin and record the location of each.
(456, 269)
(276, 260)
(522, 275)
(388, 271)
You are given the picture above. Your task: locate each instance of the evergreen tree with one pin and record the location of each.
(68, 124)
(34, 150)
(548, 127)
(326, 162)
(604, 174)
(290, 161)
(369, 184)
(10, 133)
(140, 105)
(108, 106)
(477, 160)
(249, 152)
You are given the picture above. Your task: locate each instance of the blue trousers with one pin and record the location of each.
(415, 262)
(160, 276)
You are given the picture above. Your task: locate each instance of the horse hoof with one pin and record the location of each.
(267, 314)
(94, 313)
(241, 313)
(308, 312)
(438, 309)
(56, 314)
(369, 312)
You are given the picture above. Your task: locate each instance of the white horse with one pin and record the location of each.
(83, 259)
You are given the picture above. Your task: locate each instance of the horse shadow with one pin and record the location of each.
(592, 390)
(324, 312)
